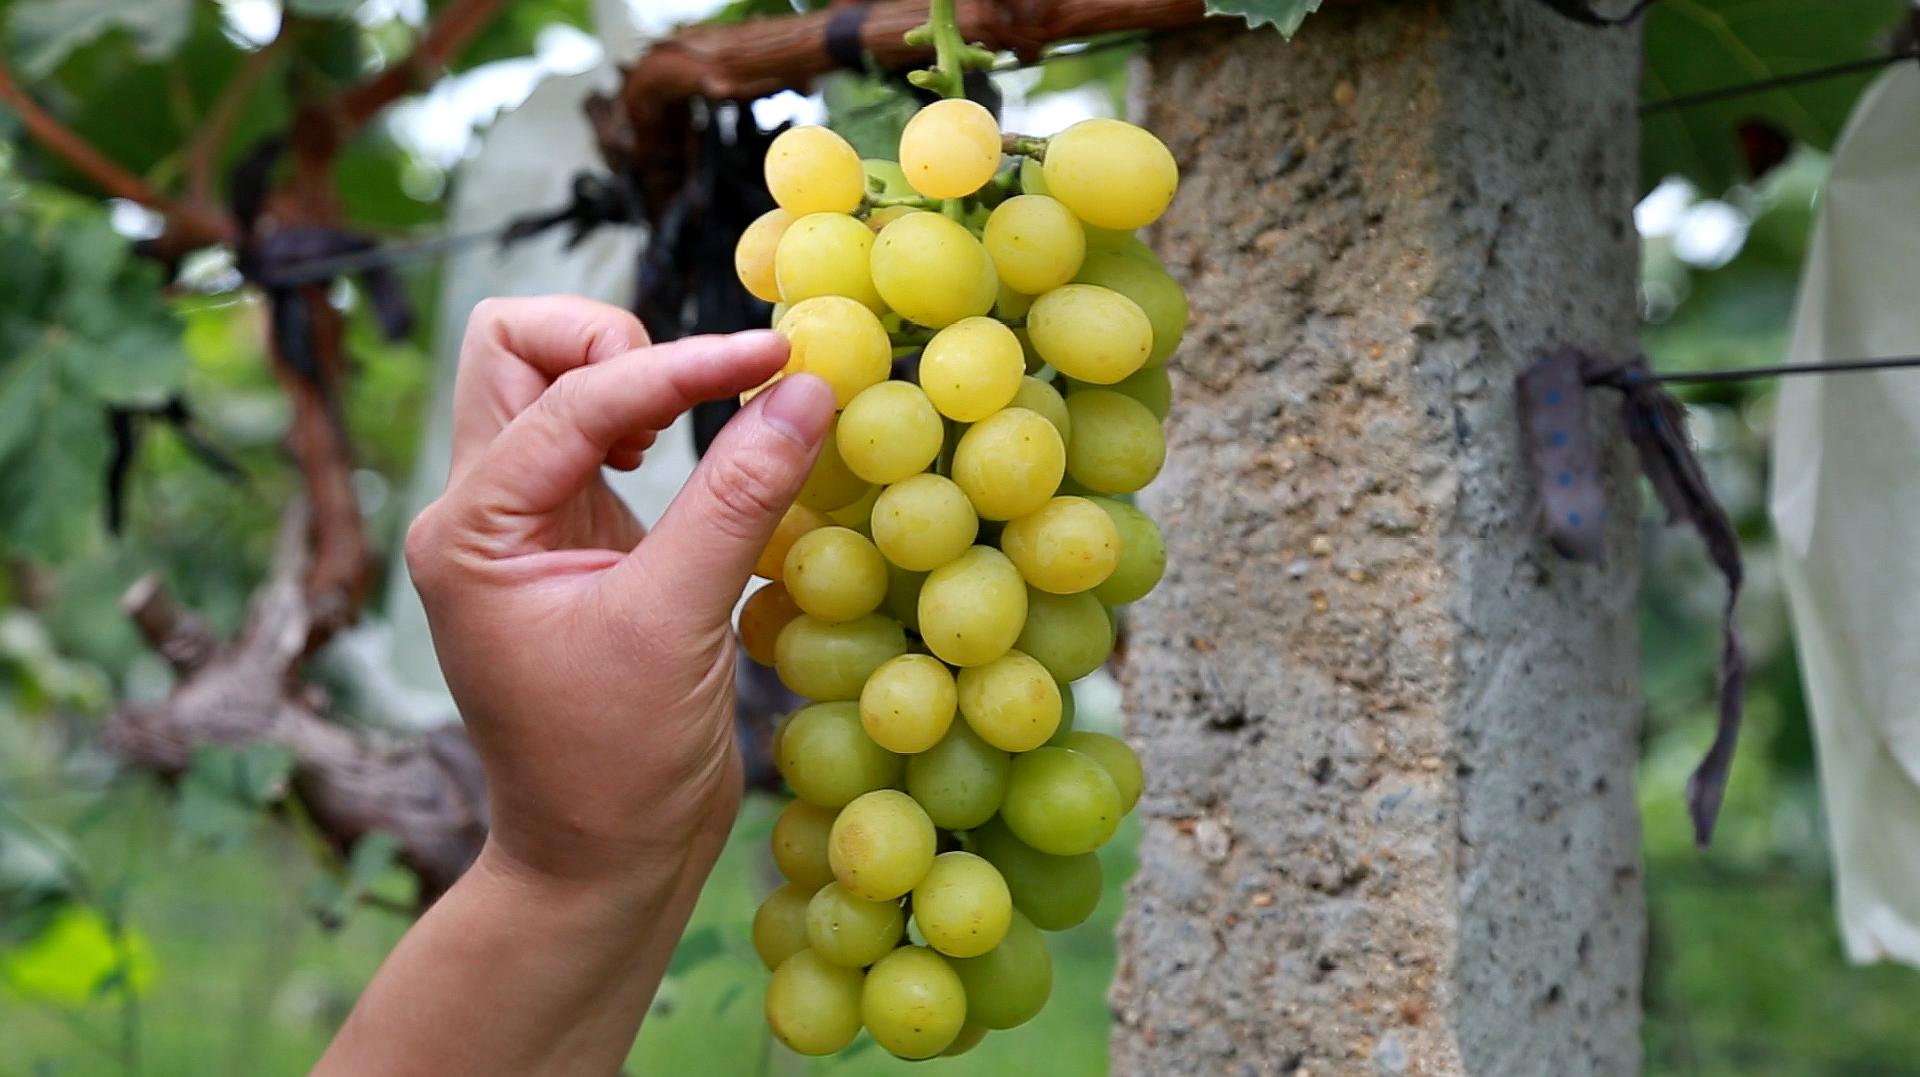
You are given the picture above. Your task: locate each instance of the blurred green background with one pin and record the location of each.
(146, 931)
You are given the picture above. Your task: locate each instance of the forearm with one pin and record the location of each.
(515, 973)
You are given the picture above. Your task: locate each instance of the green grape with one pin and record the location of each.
(1066, 545)
(1118, 239)
(1044, 400)
(826, 254)
(1033, 177)
(800, 844)
(1009, 305)
(1133, 271)
(834, 574)
(1090, 333)
(831, 485)
(780, 925)
(1143, 555)
(1055, 892)
(886, 215)
(908, 703)
(840, 341)
(881, 845)
(1066, 716)
(753, 255)
(859, 515)
(797, 521)
(959, 781)
(1010, 463)
(829, 760)
(1117, 759)
(1071, 635)
(1060, 801)
(889, 433)
(852, 931)
(1150, 385)
(762, 617)
(1117, 444)
(962, 906)
(1035, 364)
(969, 1038)
(891, 178)
(1012, 702)
(924, 522)
(913, 1003)
(821, 661)
(932, 271)
(1111, 173)
(950, 148)
(778, 312)
(813, 1005)
(813, 170)
(1006, 986)
(1035, 243)
(972, 368)
(972, 609)
(903, 596)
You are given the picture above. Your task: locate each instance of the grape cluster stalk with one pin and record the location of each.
(954, 560)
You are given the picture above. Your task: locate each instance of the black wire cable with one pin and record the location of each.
(1784, 370)
(1794, 78)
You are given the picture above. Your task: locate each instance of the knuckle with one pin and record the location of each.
(425, 547)
(749, 491)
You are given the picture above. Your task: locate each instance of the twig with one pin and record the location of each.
(202, 155)
(457, 24)
(203, 224)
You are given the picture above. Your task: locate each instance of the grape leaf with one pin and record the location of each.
(224, 788)
(51, 481)
(42, 33)
(323, 9)
(333, 899)
(1283, 15)
(1697, 45)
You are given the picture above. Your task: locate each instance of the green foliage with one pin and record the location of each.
(869, 111)
(333, 898)
(42, 33)
(1283, 15)
(225, 788)
(513, 32)
(1697, 45)
(83, 327)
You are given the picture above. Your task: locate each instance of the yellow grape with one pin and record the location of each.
(852, 931)
(1134, 272)
(890, 432)
(840, 341)
(962, 906)
(826, 254)
(1117, 444)
(959, 781)
(1011, 462)
(780, 925)
(813, 1005)
(950, 149)
(932, 271)
(913, 1003)
(972, 369)
(835, 574)
(1111, 173)
(831, 484)
(1011, 702)
(813, 170)
(908, 703)
(753, 255)
(881, 845)
(829, 760)
(924, 522)
(800, 844)
(1035, 243)
(1068, 544)
(797, 521)
(1042, 398)
(764, 614)
(973, 608)
(1090, 333)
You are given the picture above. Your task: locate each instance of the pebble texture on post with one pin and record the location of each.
(1390, 736)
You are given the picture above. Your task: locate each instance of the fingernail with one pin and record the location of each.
(800, 406)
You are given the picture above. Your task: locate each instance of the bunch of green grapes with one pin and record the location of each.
(954, 560)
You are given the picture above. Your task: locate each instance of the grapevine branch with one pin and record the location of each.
(451, 31)
(203, 150)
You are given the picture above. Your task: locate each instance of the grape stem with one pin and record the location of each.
(945, 76)
(1023, 146)
(916, 201)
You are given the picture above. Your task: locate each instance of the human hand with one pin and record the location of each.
(592, 662)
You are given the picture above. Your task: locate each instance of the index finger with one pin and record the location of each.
(516, 347)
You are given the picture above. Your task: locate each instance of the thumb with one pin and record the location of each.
(697, 560)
